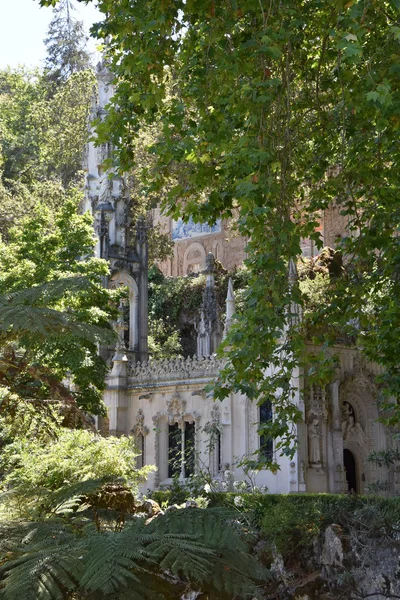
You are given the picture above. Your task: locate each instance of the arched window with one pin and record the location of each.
(194, 259)
(266, 442)
(181, 440)
(131, 336)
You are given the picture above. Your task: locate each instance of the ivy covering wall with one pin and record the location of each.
(174, 305)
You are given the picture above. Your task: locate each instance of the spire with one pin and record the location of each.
(209, 329)
(230, 308)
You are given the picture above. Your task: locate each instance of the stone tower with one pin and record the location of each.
(120, 241)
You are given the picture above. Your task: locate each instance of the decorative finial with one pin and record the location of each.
(141, 230)
(209, 327)
(295, 309)
(210, 263)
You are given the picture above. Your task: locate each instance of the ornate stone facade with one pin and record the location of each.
(150, 399)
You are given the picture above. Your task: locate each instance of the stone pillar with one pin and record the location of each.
(337, 479)
(209, 326)
(142, 250)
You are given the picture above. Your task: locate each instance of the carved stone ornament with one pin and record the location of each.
(302, 479)
(156, 420)
(214, 424)
(141, 231)
(316, 405)
(314, 444)
(176, 407)
(351, 427)
(140, 428)
(292, 466)
(173, 369)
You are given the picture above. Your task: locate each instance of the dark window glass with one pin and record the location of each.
(189, 448)
(127, 322)
(174, 450)
(140, 448)
(266, 442)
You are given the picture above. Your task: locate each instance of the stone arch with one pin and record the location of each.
(194, 259)
(124, 279)
(359, 424)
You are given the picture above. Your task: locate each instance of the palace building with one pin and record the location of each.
(165, 405)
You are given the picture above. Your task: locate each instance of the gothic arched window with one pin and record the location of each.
(178, 463)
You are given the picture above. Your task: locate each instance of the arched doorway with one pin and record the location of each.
(351, 473)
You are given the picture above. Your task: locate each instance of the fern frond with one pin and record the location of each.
(110, 561)
(45, 564)
(234, 570)
(42, 321)
(48, 291)
(70, 496)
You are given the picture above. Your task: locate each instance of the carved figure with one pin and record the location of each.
(351, 428)
(314, 448)
(105, 189)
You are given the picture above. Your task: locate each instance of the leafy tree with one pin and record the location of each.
(65, 44)
(42, 138)
(282, 111)
(53, 309)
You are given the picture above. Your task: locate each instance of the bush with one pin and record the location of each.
(75, 456)
(292, 522)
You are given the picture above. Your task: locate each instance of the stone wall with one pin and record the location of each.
(229, 248)
(190, 253)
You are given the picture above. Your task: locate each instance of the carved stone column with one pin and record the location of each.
(337, 477)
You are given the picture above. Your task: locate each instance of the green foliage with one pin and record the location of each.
(42, 137)
(275, 115)
(54, 308)
(60, 464)
(163, 341)
(293, 522)
(174, 304)
(199, 548)
(65, 44)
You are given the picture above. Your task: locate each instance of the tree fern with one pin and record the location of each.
(44, 565)
(142, 561)
(234, 570)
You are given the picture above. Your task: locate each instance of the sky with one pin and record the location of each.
(23, 27)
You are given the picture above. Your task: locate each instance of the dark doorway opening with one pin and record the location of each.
(350, 467)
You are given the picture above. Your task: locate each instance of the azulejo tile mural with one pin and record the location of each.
(182, 230)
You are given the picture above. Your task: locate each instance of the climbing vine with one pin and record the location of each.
(174, 305)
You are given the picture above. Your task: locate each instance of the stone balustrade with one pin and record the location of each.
(174, 369)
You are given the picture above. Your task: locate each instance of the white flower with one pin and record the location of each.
(238, 501)
(207, 488)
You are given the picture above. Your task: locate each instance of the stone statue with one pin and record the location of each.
(348, 420)
(105, 189)
(314, 448)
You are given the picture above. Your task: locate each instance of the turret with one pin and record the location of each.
(209, 327)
